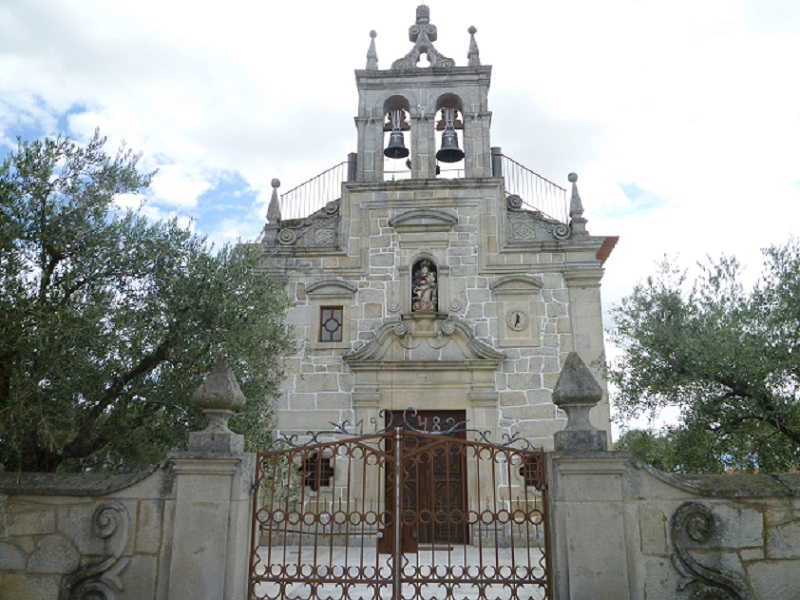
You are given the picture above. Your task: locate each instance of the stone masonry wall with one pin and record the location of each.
(564, 313)
(76, 533)
(623, 530)
(736, 532)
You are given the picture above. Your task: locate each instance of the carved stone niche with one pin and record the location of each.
(407, 284)
(519, 310)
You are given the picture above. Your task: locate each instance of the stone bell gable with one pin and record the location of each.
(429, 269)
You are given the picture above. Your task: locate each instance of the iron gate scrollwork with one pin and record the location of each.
(400, 513)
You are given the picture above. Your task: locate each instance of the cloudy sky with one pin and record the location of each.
(681, 117)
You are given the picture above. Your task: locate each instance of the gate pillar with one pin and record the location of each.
(210, 537)
(589, 542)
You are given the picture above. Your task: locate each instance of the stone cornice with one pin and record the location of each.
(454, 74)
(410, 185)
(583, 277)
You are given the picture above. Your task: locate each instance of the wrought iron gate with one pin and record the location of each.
(460, 518)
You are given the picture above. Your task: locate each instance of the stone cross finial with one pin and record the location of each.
(576, 393)
(422, 34)
(274, 209)
(473, 55)
(220, 397)
(576, 208)
(372, 55)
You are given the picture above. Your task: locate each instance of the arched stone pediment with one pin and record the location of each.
(516, 284)
(423, 219)
(425, 341)
(331, 287)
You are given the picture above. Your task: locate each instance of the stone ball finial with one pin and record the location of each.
(472, 30)
(373, 34)
(572, 177)
(276, 183)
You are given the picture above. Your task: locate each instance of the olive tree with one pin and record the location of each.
(727, 357)
(109, 321)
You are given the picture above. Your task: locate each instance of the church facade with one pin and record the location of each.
(433, 279)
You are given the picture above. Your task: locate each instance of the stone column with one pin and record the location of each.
(211, 533)
(423, 145)
(370, 147)
(478, 158)
(587, 520)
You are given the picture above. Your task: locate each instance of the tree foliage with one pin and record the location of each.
(728, 358)
(110, 321)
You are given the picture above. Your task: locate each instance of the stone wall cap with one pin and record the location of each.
(740, 485)
(70, 484)
(729, 485)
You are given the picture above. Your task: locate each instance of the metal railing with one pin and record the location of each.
(311, 195)
(537, 192)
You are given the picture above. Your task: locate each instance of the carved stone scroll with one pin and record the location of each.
(695, 523)
(101, 580)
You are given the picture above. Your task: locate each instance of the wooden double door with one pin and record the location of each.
(433, 478)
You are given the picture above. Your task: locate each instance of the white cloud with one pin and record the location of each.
(179, 186)
(695, 102)
(129, 201)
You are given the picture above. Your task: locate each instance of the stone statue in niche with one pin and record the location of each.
(424, 293)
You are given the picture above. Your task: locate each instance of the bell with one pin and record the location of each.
(397, 146)
(449, 152)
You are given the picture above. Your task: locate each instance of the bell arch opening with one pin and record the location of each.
(396, 139)
(449, 121)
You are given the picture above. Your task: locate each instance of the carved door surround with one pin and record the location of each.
(430, 361)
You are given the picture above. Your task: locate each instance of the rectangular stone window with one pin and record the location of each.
(330, 323)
